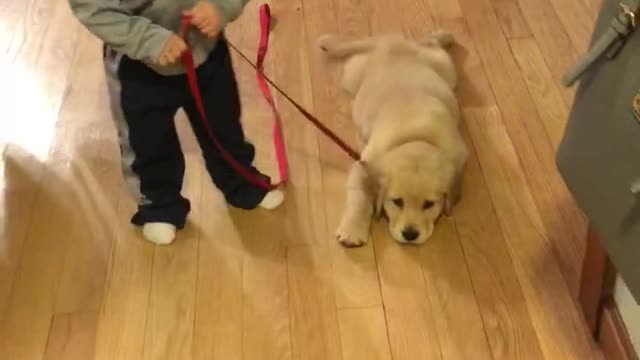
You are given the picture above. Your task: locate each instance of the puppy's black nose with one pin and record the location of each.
(410, 234)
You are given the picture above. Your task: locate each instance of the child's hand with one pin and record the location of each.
(172, 51)
(206, 17)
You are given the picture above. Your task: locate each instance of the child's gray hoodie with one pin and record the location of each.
(140, 28)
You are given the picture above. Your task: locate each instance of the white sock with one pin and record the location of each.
(159, 233)
(272, 200)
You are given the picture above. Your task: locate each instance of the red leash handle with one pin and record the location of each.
(278, 139)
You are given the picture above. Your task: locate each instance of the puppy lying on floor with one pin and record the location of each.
(407, 116)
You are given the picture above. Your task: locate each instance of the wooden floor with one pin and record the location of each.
(497, 281)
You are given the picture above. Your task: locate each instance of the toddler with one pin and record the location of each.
(147, 86)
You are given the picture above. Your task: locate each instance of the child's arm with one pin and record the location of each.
(211, 16)
(135, 36)
(230, 9)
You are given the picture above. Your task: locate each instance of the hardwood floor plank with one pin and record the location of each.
(558, 51)
(563, 223)
(355, 274)
(314, 320)
(72, 336)
(411, 335)
(351, 17)
(544, 92)
(416, 17)
(170, 312)
(577, 22)
(35, 77)
(562, 336)
(473, 87)
(305, 218)
(445, 9)
(593, 7)
(507, 321)
(33, 276)
(266, 317)
(356, 277)
(330, 103)
(364, 334)
(95, 179)
(452, 296)
(219, 287)
(21, 175)
(25, 324)
(409, 315)
(511, 19)
(123, 315)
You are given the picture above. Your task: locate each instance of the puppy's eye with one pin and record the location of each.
(398, 202)
(427, 205)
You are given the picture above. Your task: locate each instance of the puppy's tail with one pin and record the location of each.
(440, 38)
(337, 49)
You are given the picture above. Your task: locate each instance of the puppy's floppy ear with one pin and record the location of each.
(380, 197)
(452, 196)
(376, 187)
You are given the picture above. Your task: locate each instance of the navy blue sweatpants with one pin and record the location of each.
(144, 105)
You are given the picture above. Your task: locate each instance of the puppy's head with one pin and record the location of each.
(411, 183)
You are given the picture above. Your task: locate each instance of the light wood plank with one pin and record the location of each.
(563, 224)
(72, 336)
(363, 333)
(35, 73)
(356, 277)
(507, 321)
(452, 297)
(314, 320)
(473, 88)
(21, 175)
(27, 311)
(219, 298)
(123, 315)
(445, 9)
(511, 19)
(557, 48)
(551, 108)
(94, 180)
(416, 17)
(413, 333)
(170, 312)
(266, 317)
(306, 219)
(577, 22)
(562, 336)
(355, 274)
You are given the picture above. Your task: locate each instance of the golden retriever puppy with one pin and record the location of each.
(408, 122)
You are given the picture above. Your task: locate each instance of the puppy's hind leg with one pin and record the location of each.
(434, 51)
(438, 38)
(355, 223)
(353, 54)
(341, 49)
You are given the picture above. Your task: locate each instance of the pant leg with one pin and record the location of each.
(222, 104)
(143, 106)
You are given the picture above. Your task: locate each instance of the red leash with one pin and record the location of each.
(263, 81)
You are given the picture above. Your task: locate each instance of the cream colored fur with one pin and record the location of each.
(408, 120)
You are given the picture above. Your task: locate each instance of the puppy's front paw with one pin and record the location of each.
(352, 236)
(325, 42)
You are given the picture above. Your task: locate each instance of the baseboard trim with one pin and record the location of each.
(612, 335)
